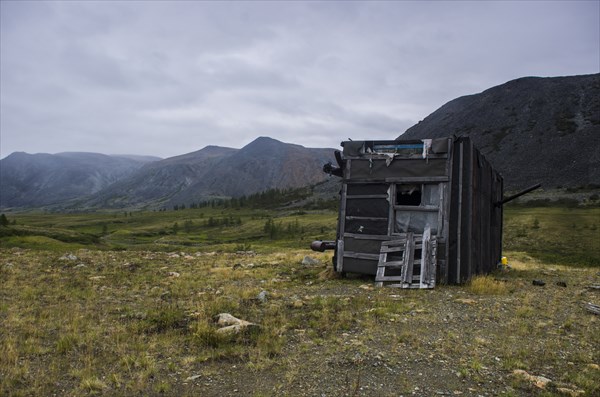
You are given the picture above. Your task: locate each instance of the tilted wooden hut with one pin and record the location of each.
(418, 212)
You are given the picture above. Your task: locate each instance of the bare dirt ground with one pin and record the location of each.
(442, 342)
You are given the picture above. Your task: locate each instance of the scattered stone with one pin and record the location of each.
(561, 284)
(262, 296)
(191, 378)
(594, 366)
(297, 303)
(539, 283)
(570, 392)
(466, 301)
(365, 287)
(173, 274)
(79, 266)
(241, 266)
(97, 277)
(131, 266)
(68, 257)
(308, 261)
(236, 329)
(174, 255)
(226, 319)
(232, 325)
(538, 381)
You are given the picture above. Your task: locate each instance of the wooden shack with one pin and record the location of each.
(417, 212)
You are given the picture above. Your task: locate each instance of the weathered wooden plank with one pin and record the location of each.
(365, 218)
(367, 196)
(359, 236)
(390, 264)
(360, 255)
(416, 179)
(428, 208)
(408, 257)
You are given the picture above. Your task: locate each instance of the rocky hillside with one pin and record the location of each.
(216, 172)
(532, 129)
(38, 180)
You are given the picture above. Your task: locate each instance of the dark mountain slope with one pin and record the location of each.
(265, 164)
(532, 129)
(157, 183)
(216, 172)
(37, 180)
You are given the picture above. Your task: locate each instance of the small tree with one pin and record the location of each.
(3, 220)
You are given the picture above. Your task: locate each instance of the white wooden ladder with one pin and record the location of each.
(408, 261)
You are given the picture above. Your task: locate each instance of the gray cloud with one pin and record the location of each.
(166, 78)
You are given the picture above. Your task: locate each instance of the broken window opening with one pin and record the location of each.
(409, 195)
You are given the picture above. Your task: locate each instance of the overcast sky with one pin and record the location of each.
(167, 78)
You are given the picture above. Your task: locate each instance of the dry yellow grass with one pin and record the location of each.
(487, 285)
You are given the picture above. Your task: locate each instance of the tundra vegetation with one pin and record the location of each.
(124, 303)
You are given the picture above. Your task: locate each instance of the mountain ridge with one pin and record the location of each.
(207, 173)
(532, 129)
(42, 179)
(212, 172)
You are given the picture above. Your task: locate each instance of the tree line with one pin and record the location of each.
(267, 199)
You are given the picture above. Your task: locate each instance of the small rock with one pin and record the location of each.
(570, 392)
(233, 325)
(561, 284)
(237, 328)
(97, 277)
(226, 319)
(594, 366)
(538, 381)
(79, 266)
(539, 283)
(173, 274)
(262, 296)
(68, 257)
(297, 304)
(365, 287)
(193, 377)
(308, 261)
(466, 301)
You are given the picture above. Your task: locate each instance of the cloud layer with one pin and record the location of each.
(166, 78)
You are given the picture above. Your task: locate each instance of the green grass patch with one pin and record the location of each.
(565, 236)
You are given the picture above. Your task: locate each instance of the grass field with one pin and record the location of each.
(124, 304)
(567, 236)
